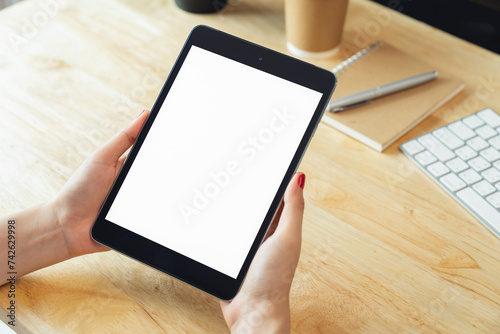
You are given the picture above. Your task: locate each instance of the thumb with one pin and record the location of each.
(293, 210)
(111, 151)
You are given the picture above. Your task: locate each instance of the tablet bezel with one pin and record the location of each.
(167, 260)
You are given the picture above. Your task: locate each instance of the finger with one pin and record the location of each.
(111, 151)
(275, 222)
(293, 209)
(119, 164)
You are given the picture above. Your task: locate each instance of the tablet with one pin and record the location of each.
(208, 170)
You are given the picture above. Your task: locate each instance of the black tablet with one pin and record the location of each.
(201, 184)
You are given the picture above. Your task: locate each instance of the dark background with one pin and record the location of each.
(477, 21)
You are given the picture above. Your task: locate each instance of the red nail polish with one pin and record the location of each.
(142, 112)
(302, 180)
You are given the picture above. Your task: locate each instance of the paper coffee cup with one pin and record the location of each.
(314, 27)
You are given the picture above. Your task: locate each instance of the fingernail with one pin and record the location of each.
(302, 180)
(142, 112)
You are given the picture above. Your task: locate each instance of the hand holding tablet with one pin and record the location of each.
(208, 171)
(263, 300)
(226, 175)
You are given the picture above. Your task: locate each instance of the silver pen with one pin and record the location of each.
(366, 96)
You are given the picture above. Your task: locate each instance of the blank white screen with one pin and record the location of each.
(213, 160)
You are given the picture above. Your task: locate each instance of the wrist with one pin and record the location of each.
(44, 238)
(39, 241)
(264, 317)
(55, 228)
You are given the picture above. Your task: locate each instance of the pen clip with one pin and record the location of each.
(349, 106)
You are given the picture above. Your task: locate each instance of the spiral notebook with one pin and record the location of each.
(384, 120)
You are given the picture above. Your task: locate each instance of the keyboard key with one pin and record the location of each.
(484, 188)
(497, 185)
(495, 142)
(479, 164)
(490, 117)
(470, 176)
(477, 143)
(457, 165)
(425, 158)
(492, 175)
(494, 199)
(473, 121)
(481, 208)
(452, 182)
(448, 138)
(466, 152)
(413, 147)
(461, 130)
(497, 164)
(436, 147)
(438, 169)
(486, 132)
(490, 154)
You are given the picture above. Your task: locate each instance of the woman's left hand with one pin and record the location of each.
(78, 204)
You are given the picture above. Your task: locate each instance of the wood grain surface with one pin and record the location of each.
(384, 249)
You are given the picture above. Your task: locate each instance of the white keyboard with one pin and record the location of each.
(464, 158)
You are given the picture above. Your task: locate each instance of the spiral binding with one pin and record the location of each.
(342, 67)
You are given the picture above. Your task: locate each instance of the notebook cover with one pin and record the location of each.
(384, 120)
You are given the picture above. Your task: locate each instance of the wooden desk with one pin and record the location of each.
(384, 250)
